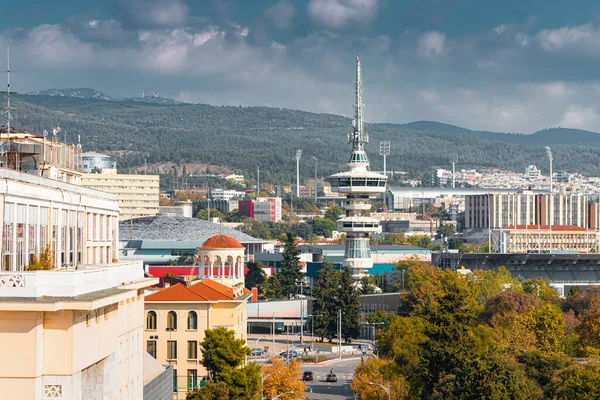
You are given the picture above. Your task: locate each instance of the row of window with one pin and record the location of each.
(192, 320)
(192, 349)
(192, 380)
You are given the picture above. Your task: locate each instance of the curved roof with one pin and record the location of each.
(221, 242)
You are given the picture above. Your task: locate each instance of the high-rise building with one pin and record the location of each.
(265, 209)
(359, 185)
(138, 194)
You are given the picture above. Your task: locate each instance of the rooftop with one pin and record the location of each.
(202, 290)
(164, 228)
(546, 227)
(221, 242)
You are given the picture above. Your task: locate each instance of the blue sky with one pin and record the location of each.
(512, 66)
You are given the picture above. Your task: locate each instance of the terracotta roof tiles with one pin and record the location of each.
(221, 242)
(204, 290)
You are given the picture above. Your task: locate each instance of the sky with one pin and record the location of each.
(507, 66)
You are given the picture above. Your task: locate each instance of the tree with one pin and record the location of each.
(509, 300)
(214, 213)
(326, 302)
(579, 381)
(283, 378)
(446, 230)
(242, 382)
(380, 316)
(547, 322)
(419, 240)
(402, 342)
(43, 262)
(349, 299)
(540, 367)
(322, 226)
(380, 371)
(513, 333)
(368, 285)
(255, 277)
(589, 332)
(272, 288)
(210, 391)
(221, 350)
(291, 274)
(333, 213)
(491, 283)
(541, 288)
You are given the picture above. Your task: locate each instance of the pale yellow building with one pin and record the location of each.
(137, 195)
(177, 316)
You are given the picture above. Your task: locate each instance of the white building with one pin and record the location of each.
(224, 194)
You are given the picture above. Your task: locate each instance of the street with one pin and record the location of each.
(340, 390)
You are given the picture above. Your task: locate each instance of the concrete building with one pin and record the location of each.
(75, 331)
(226, 194)
(179, 209)
(545, 239)
(137, 194)
(500, 210)
(158, 240)
(265, 209)
(98, 163)
(177, 317)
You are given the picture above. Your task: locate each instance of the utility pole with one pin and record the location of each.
(274, 335)
(384, 150)
(453, 160)
(340, 333)
(301, 312)
(257, 180)
(298, 156)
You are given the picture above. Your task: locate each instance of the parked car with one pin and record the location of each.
(307, 376)
(331, 378)
(292, 354)
(257, 352)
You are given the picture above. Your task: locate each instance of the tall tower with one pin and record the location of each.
(359, 185)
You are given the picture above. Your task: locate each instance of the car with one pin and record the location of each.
(290, 354)
(257, 352)
(331, 378)
(307, 376)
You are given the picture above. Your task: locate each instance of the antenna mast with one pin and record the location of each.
(7, 92)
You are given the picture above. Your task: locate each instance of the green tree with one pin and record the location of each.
(272, 288)
(43, 262)
(541, 288)
(488, 284)
(547, 322)
(210, 391)
(380, 316)
(214, 213)
(368, 284)
(326, 304)
(540, 367)
(290, 273)
(322, 226)
(243, 383)
(446, 230)
(333, 213)
(419, 240)
(255, 277)
(221, 350)
(349, 299)
(579, 381)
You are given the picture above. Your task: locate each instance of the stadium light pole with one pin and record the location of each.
(298, 156)
(315, 185)
(550, 158)
(453, 160)
(384, 150)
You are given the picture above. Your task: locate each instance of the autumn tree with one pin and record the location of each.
(579, 381)
(589, 332)
(383, 372)
(210, 391)
(282, 379)
(42, 262)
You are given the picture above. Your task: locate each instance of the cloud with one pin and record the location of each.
(432, 43)
(339, 13)
(153, 13)
(577, 116)
(281, 14)
(556, 39)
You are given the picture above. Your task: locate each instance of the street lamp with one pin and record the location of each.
(256, 344)
(386, 388)
(298, 156)
(312, 323)
(262, 382)
(301, 311)
(279, 395)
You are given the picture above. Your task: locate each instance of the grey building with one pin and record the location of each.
(97, 162)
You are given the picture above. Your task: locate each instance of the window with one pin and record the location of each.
(174, 380)
(192, 353)
(151, 347)
(151, 320)
(105, 313)
(192, 378)
(172, 320)
(97, 316)
(87, 319)
(192, 320)
(171, 349)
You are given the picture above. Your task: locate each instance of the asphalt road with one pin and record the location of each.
(340, 390)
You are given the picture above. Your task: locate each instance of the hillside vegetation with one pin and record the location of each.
(242, 137)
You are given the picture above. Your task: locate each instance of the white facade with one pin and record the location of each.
(80, 224)
(222, 194)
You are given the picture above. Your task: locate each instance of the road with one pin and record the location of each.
(340, 390)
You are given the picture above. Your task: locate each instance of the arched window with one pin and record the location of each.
(151, 320)
(192, 320)
(172, 320)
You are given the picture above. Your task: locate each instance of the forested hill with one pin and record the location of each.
(242, 137)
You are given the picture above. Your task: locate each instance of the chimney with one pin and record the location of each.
(254, 294)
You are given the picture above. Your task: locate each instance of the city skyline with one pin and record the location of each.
(508, 67)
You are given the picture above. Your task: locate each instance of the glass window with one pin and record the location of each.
(172, 320)
(192, 351)
(192, 378)
(151, 347)
(192, 320)
(151, 320)
(171, 349)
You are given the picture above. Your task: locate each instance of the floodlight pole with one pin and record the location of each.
(550, 158)
(384, 150)
(298, 156)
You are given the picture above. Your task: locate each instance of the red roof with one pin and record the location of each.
(221, 242)
(547, 227)
(204, 290)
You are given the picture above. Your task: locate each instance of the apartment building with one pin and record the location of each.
(137, 195)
